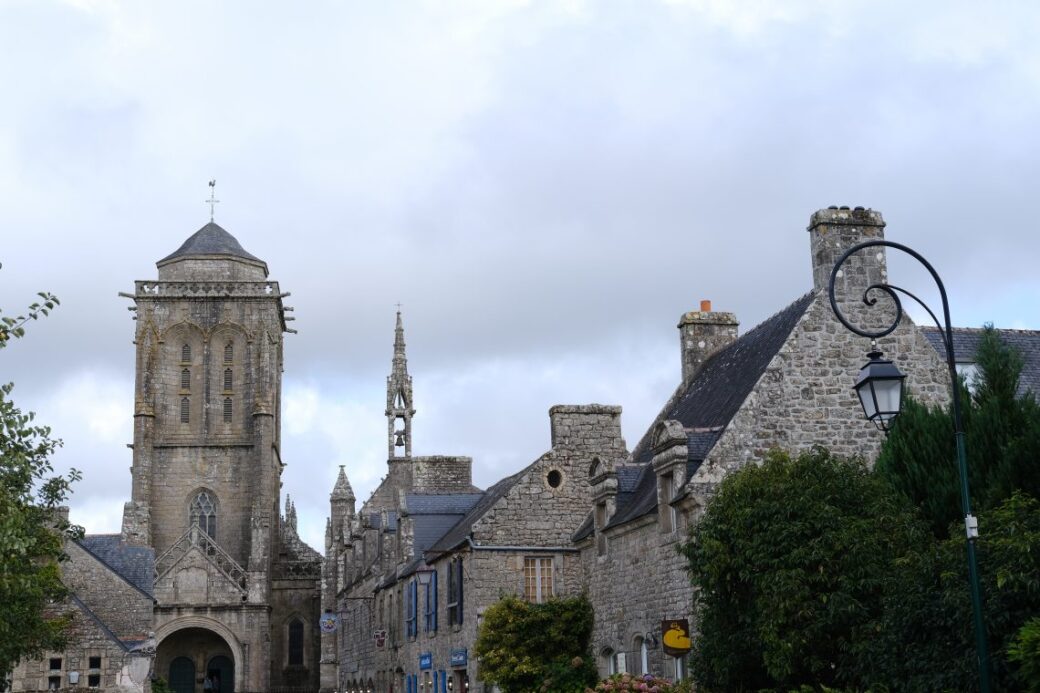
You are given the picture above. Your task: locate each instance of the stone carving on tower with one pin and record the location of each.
(399, 409)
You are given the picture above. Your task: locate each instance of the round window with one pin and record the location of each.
(554, 478)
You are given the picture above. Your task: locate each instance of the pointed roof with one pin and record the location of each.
(342, 490)
(208, 241)
(400, 358)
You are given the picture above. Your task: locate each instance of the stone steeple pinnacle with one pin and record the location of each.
(342, 490)
(399, 409)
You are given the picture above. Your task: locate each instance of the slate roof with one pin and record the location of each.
(966, 343)
(135, 564)
(715, 394)
(211, 239)
(704, 406)
(458, 534)
(434, 514)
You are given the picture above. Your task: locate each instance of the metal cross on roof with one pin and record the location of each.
(212, 197)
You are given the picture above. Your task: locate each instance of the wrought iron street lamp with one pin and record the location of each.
(880, 392)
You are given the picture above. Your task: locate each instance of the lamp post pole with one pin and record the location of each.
(970, 523)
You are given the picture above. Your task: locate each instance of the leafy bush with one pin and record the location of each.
(622, 683)
(529, 647)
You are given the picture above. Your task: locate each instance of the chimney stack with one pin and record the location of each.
(834, 230)
(701, 334)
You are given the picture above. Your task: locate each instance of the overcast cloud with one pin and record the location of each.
(546, 187)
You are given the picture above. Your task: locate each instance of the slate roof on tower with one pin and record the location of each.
(210, 240)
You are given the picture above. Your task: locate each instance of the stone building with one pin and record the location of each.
(415, 568)
(232, 593)
(786, 383)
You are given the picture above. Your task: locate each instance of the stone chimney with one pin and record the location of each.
(586, 428)
(834, 230)
(701, 334)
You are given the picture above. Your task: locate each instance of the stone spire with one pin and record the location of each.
(342, 489)
(399, 410)
(290, 512)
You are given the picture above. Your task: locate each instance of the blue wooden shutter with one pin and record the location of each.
(433, 604)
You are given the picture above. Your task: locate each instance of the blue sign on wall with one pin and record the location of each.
(459, 658)
(425, 660)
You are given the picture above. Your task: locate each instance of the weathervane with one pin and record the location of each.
(398, 307)
(212, 197)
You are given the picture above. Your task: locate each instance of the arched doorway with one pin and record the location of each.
(193, 654)
(221, 671)
(181, 676)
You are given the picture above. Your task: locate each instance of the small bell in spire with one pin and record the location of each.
(399, 439)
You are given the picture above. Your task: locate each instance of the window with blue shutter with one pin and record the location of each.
(413, 598)
(431, 604)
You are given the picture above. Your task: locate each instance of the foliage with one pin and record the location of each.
(925, 639)
(632, 682)
(1002, 434)
(32, 529)
(789, 564)
(523, 646)
(1025, 651)
(159, 685)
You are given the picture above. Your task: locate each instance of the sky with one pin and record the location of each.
(544, 187)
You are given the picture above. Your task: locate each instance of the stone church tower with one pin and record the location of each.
(236, 591)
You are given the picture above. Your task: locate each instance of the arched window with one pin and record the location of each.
(186, 353)
(227, 410)
(204, 513)
(227, 379)
(644, 655)
(229, 352)
(185, 410)
(295, 643)
(185, 379)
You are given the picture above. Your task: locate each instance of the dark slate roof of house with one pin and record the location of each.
(966, 343)
(211, 239)
(704, 406)
(375, 520)
(135, 564)
(434, 514)
(458, 534)
(714, 395)
(440, 503)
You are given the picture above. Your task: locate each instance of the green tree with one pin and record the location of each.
(789, 565)
(32, 530)
(1002, 435)
(925, 639)
(527, 647)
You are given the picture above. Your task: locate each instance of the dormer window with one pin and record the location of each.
(665, 497)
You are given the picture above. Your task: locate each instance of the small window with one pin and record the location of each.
(455, 591)
(55, 663)
(227, 380)
(204, 514)
(595, 467)
(185, 410)
(227, 410)
(53, 683)
(186, 353)
(667, 515)
(94, 663)
(413, 598)
(229, 352)
(538, 579)
(295, 643)
(185, 379)
(554, 478)
(94, 681)
(600, 523)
